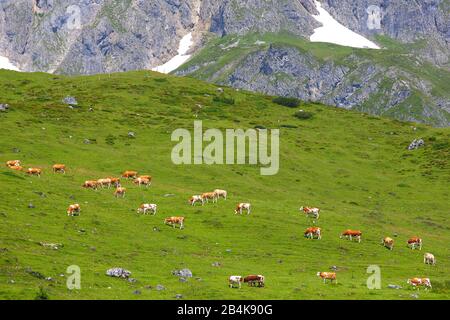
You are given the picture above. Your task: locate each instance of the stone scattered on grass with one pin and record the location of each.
(394, 286)
(160, 287)
(53, 246)
(70, 101)
(118, 273)
(185, 273)
(416, 144)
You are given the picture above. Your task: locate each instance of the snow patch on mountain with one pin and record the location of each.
(185, 43)
(334, 32)
(6, 64)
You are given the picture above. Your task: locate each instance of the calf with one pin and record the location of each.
(255, 280)
(13, 163)
(429, 258)
(149, 178)
(129, 174)
(147, 207)
(73, 209)
(142, 181)
(415, 242)
(235, 280)
(418, 282)
(120, 192)
(242, 206)
(388, 242)
(194, 199)
(311, 212)
(209, 196)
(18, 168)
(312, 232)
(104, 182)
(350, 234)
(34, 171)
(90, 184)
(221, 193)
(173, 221)
(59, 168)
(327, 275)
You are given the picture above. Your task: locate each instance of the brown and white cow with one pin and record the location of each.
(143, 208)
(34, 171)
(149, 178)
(414, 243)
(142, 181)
(18, 168)
(59, 168)
(129, 174)
(194, 199)
(313, 232)
(13, 163)
(428, 258)
(419, 282)
(221, 193)
(209, 196)
(90, 184)
(115, 182)
(255, 280)
(311, 212)
(327, 276)
(235, 281)
(173, 221)
(352, 234)
(388, 243)
(241, 207)
(104, 182)
(120, 192)
(74, 209)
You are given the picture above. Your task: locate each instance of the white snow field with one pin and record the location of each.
(5, 64)
(334, 32)
(180, 58)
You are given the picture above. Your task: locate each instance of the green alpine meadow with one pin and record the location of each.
(355, 167)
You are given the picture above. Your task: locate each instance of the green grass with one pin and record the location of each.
(355, 167)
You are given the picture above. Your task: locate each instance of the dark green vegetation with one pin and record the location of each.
(355, 167)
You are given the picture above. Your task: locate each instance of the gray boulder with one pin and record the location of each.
(70, 101)
(185, 273)
(4, 107)
(118, 273)
(416, 144)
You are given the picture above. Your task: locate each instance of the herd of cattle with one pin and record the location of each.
(235, 280)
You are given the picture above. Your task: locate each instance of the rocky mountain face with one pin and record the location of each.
(99, 36)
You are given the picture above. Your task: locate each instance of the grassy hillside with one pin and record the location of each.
(355, 167)
(430, 86)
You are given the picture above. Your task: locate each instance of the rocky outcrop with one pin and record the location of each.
(403, 20)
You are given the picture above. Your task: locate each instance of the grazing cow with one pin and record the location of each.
(129, 174)
(90, 184)
(209, 195)
(415, 242)
(115, 182)
(174, 221)
(312, 232)
(194, 199)
(34, 171)
(59, 168)
(327, 275)
(141, 181)
(242, 206)
(120, 192)
(255, 280)
(18, 168)
(388, 242)
(149, 178)
(73, 209)
(104, 182)
(221, 193)
(418, 282)
(428, 258)
(147, 207)
(235, 281)
(350, 234)
(13, 163)
(311, 212)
